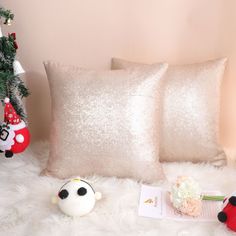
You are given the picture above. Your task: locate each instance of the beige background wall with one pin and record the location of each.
(90, 32)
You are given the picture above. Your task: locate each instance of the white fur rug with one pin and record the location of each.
(26, 209)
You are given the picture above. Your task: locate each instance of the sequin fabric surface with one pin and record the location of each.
(189, 111)
(105, 122)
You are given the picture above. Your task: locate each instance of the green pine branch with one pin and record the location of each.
(7, 14)
(4, 78)
(7, 53)
(11, 85)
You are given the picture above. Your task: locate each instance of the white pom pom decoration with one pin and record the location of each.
(19, 138)
(6, 100)
(98, 195)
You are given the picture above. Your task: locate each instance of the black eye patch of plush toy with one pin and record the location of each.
(3, 134)
(63, 194)
(82, 191)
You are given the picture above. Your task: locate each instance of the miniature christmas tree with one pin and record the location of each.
(11, 85)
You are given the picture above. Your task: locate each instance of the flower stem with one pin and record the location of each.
(213, 198)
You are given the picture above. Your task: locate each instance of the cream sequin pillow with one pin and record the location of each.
(190, 111)
(104, 122)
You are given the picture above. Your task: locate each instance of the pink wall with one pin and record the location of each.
(90, 32)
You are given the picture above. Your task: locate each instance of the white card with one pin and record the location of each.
(150, 204)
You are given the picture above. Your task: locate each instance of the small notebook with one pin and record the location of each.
(155, 203)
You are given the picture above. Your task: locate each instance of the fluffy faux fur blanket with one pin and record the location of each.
(26, 209)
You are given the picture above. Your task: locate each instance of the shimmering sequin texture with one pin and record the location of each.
(189, 111)
(104, 122)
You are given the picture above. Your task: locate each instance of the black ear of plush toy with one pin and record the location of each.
(228, 213)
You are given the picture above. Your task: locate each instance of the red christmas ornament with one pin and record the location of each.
(15, 45)
(14, 135)
(13, 35)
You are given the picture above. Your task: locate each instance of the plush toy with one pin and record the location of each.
(77, 197)
(228, 213)
(14, 135)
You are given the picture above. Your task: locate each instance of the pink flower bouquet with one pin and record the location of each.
(186, 196)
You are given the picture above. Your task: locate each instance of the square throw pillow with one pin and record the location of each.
(104, 122)
(190, 104)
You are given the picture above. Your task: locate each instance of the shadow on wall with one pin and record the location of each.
(39, 117)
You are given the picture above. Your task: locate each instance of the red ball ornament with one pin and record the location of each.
(13, 36)
(15, 45)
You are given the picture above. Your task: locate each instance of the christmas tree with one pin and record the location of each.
(11, 85)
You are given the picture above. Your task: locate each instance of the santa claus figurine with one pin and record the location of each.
(14, 135)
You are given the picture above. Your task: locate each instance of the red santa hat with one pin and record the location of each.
(10, 115)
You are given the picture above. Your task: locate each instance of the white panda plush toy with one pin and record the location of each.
(77, 198)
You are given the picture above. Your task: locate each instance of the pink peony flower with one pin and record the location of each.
(191, 207)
